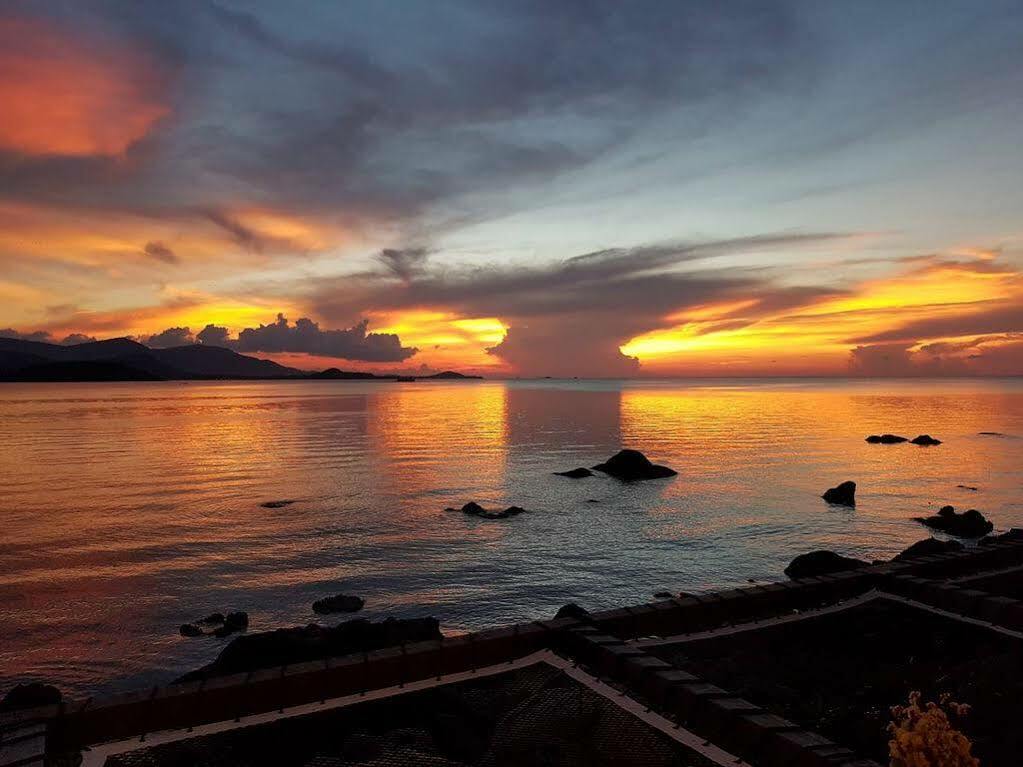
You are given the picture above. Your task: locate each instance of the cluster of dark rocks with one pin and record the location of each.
(626, 465)
(924, 440)
(283, 647)
(968, 524)
(216, 624)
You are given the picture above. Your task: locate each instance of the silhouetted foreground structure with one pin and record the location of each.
(798, 673)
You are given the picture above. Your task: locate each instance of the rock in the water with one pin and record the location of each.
(572, 610)
(925, 440)
(341, 603)
(886, 439)
(575, 473)
(190, 630)
(967, 487)
(928, 547)
(843, 495)
(30, 695)
(474, 509)
(632, 465)
(233, 623)
(969, 524)
(664, 595)
(268, 649)
(821, 563)
(277, 504)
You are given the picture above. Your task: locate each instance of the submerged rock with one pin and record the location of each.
(30, 695)
(843, 495)
(575, 473)
(925, 440)
(821, 563)
(190, 630)
(277, 504)
(966, 487)
(267, 649)
(475, 510)
(340, 603)
(969, 524)
(928, 547)
(632, 465)
(886, 439)
(572, 610)
(211, 624)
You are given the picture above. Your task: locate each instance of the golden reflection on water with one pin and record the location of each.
(128, 509)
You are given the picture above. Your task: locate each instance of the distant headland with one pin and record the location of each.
(122, 359)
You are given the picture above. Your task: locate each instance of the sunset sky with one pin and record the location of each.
(521, 188)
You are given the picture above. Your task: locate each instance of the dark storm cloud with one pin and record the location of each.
(306, 337)
(403, 263)
(375, 113)
(160, 252)
(974, 320)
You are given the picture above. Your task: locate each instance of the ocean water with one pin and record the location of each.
(127, 509)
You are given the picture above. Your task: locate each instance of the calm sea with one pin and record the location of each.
(127, 509)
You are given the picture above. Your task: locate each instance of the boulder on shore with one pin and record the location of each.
(886, 439)
(268, 649)
(969, 524)
(575, 473)
(340, 603)
(821, 563)
(473, 509)
(843, 495)
(632, 465)
(30, 695)
(572, 610)
(925, 440)
(928, 547)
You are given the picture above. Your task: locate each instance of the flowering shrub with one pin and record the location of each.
(923, 736)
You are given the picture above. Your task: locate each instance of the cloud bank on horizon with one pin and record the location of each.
(528, 188)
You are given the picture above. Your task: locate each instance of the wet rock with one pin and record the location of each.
(340, 603)
(821, 563)
(843, 495)
(572, 610)
(474, 509)
(992, 434)
(886, 439)
(575, 473)
(233, 623)
(966, 487)
(632, 465)
(928, 547)
(1015, 534)
(969, 524)
(277, 504)
(30, 695)
(190, 630)
(664, 595)
(925, 440)
(267, 649)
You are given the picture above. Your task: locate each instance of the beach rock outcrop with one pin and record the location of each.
(30, 695)
(842, 495)
(969, 524)
(216, 624)
(572, 610)
(1015, 534)
(268, 649)
(575, 473)
(925, 440)
(340, 603)
(632, 465)
(233, 623)
(886, 439)
(663, 595)
(473, 509)
(928, 547)
(821, 563)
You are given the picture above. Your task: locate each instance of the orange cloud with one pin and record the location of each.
(60, 96)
